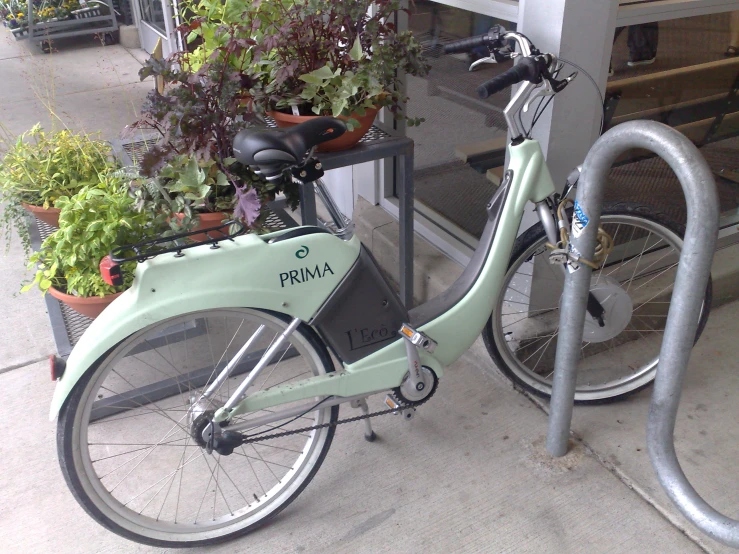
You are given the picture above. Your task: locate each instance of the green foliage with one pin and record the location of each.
(332, 92)
(92, 222)
(331, 57)
(184, 187)
(197, 117)
(283, 51)
(41, 167)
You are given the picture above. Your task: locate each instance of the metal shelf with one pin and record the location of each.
(85, 23)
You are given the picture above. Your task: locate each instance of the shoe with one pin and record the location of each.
(637, 63)
(731, 51)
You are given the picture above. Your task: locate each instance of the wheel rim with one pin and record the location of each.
(139, 465)
(644, 263)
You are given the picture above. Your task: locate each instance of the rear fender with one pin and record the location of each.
(293, 276)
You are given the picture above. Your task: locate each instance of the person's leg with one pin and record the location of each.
(618, 32)
(643, 40)
(733, 48)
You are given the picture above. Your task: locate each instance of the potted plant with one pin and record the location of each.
(92, 222)
(15, 15)
(197, 116)
(332, 57)
(197, 194)
(40, 167)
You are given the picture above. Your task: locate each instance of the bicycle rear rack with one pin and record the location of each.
(692, 277)
(142, 251)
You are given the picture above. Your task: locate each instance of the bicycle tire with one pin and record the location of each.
(504, 348)
(89, 483)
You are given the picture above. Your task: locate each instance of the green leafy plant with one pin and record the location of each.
(330, 92)
(197, 117)
(184, 187)
(40, 167)
(332, 57)
(92, 222)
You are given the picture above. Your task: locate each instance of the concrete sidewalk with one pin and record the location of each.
(468, 474)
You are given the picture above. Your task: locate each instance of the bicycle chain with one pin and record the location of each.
(400, 407)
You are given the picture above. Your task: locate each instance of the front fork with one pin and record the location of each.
(547, 211)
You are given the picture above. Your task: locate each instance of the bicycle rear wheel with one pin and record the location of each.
(126, 442)
(634, 286)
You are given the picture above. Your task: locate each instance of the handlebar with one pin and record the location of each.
(467, 44)
(533, 68)
(528, 69)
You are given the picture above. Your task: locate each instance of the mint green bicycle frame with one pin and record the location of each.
(250, 272)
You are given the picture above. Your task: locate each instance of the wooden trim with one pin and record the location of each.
(671, 77)
(653, 112)
(634, 13)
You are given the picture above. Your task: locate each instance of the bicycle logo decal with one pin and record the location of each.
(302, 253)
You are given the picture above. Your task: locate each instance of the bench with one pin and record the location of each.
(701, 101)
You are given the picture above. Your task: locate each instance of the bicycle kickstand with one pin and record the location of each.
(369, 434)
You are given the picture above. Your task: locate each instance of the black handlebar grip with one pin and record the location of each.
(466, 44)
(525, 70)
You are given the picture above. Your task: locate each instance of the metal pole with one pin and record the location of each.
(692, 277)
(308, 204)
(405, 222)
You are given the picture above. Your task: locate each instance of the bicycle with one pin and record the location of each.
(205, 398)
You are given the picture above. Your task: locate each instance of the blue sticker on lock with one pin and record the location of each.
(579, 221)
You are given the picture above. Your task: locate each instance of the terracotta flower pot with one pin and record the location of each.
(90, 306)
(345, 141)
(50, 216)
(206, 221)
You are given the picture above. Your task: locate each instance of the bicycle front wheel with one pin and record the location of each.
(126, 438)
(634, 286)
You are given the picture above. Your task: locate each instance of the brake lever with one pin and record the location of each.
(481, 61)
(496, 56)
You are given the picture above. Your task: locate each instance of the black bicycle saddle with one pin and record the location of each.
(285, 146)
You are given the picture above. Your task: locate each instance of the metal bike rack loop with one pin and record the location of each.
(690, 284)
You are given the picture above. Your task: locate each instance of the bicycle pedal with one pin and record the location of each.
(417, 338)
(391, 403)
(407, 413)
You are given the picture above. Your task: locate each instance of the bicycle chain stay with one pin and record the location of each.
(400, 407)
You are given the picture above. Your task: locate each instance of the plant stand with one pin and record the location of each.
(67, 325)
(98, 18)
(379, 144)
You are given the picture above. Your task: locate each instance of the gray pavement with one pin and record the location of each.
(468, 474)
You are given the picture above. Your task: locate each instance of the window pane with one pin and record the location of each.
(457, 121)
(690, 86)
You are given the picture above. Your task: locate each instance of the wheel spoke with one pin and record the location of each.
(642, 261)
(148, 470)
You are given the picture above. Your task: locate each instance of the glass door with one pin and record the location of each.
(157, 20)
